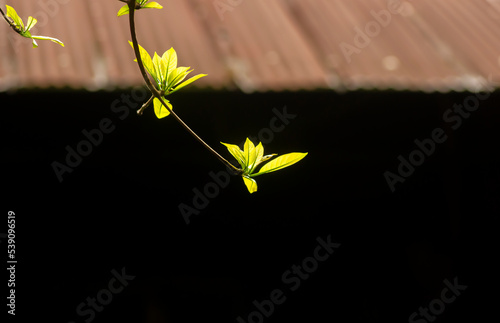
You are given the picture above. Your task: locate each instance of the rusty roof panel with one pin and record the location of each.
(262, 45)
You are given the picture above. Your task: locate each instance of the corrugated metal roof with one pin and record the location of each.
(260, 45)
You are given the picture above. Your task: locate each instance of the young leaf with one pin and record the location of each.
(280, 163)
(153, 5)
(11, 12)
(259, 152)
(178, 75)
(250, 183)
(123, 10)
(263, 159)
(55, 40)
(250, 154)
(160, 110)
(237, 153)
(187, 82)
(146, 61)
(170, 60)
(158, 70)
(31, 23)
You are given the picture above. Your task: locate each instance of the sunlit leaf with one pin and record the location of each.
(169, 58)
(31, 23)
(237, 153)
(263, 159)
(146, 61)
(153, 5)
(160, 110)
(254, 155)
(55, 40)
(11, 12)
(178, 75)
(250, 154)
(187, 82)
(158, 70)
(250, 183)
(123, 10)
(280, 163)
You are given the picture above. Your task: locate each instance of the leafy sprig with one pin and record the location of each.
(252, 156)
(167, 76)
(17, 24)
(168, 79)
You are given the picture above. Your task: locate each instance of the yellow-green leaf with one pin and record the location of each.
(187, 82)
(123, 10)
(258, 153)
(169, 58)
(280, 163)
(249, 154)
(55, 40)
(250, 183)
(153, 5)
(158, 69)
(146, 61)
(31, 23)
(160, 110)
(11, 12)
(237, 153)
(178, 75)
(263, 159)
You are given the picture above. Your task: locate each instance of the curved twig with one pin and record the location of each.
(157, 94)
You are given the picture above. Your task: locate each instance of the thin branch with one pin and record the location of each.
(5, 16)
(10, 22)
(145, 105)
(157, 94)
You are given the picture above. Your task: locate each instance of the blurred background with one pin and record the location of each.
(354, 83)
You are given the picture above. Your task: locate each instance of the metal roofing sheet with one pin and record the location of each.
(262, 45)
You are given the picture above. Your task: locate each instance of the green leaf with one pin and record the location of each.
(263, 159)
(280, 162)
(160, 110)
(178, 75)
(237, 153)
(34, 43)
(31, 23)
(187, 82)
(153, 5)
(11, 12)
(123, 10)
(158, 70)
(26, 34)
(249, 154)
(169, 58)
(250, 183)
(55, 40)
(146, 61)
(259, 152)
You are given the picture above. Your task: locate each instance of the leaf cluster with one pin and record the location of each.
(17, 24)
(167, 76)
(252, 156)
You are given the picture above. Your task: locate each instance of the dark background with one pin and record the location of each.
(119, 208)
